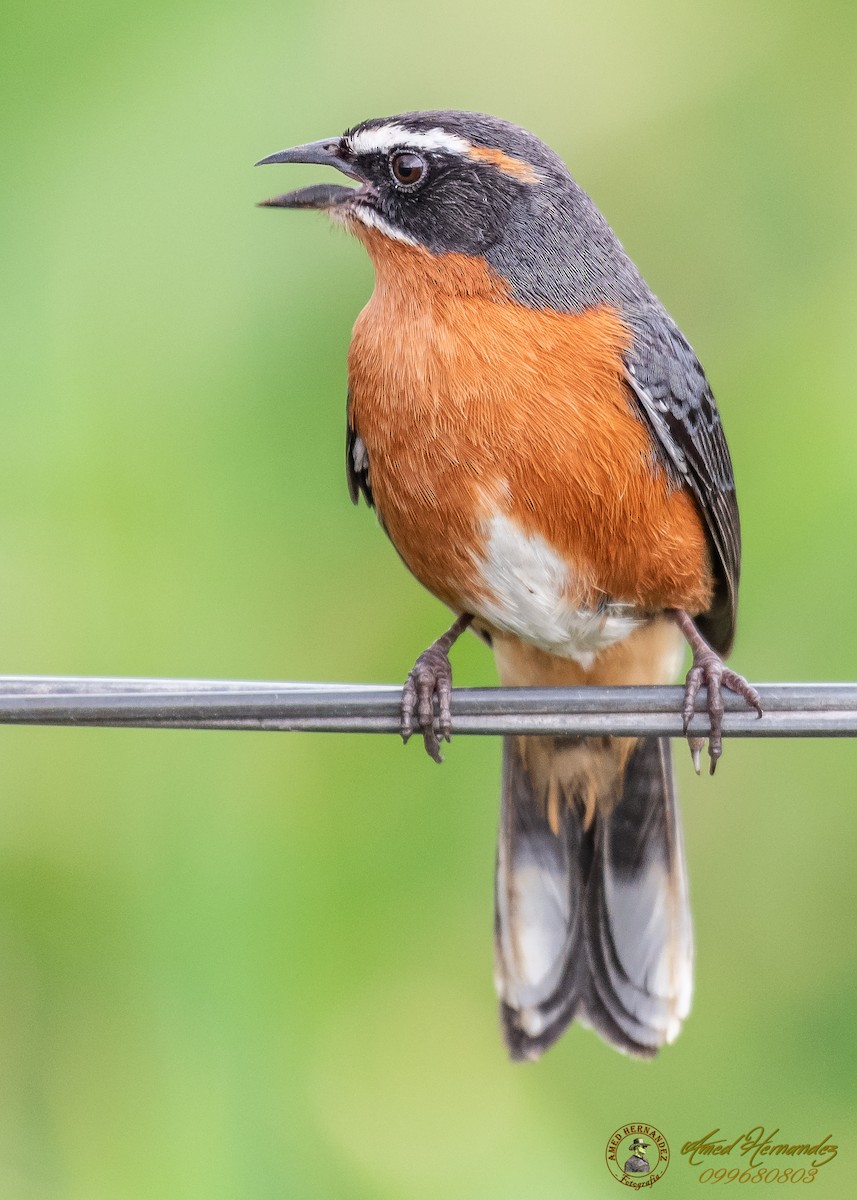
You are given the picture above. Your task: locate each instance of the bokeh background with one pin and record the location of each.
(249, 965)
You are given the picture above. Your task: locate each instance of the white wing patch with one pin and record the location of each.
(359, 455)
(530, 585)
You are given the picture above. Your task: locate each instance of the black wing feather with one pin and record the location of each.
(675, 400)
(356, 463)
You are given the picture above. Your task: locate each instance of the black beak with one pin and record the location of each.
(325, 153)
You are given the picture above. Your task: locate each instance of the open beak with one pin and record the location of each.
(325, 153)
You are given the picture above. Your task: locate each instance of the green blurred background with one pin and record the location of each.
(260, 966)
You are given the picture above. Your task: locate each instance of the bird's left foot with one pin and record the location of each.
(709, 669)
(431, 678)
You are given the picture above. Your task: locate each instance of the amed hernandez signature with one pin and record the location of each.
(757, 1146)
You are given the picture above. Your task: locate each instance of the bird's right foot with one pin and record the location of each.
(430, 679)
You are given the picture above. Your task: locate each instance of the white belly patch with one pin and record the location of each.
(530, 585)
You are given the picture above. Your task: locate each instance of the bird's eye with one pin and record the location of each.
(408, 169)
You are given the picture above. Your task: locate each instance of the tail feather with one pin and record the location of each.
(539, 918)
(592, 915)
(638, 917)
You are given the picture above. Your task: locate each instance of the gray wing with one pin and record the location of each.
(675, 400)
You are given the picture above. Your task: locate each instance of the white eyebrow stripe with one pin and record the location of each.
(388, 137)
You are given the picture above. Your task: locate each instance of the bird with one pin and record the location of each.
(542, 447)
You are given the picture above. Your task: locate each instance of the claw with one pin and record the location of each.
(418, 699)
(409, 700)
(430, 679)
(708, 669)
(691, 689)
(737, 683)
(697, 744)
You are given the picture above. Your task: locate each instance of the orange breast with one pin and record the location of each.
(470, 404)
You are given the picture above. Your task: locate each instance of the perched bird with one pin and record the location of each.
(543, 449)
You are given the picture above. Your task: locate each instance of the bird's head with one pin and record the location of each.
(482, 189)
(448, 182)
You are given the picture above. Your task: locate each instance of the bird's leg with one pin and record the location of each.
(432, 676)
(709, 669)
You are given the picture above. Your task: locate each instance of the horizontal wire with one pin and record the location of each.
(791, 709)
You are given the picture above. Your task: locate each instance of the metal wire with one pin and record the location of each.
(791, 709)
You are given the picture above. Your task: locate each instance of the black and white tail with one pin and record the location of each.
(592, 919)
